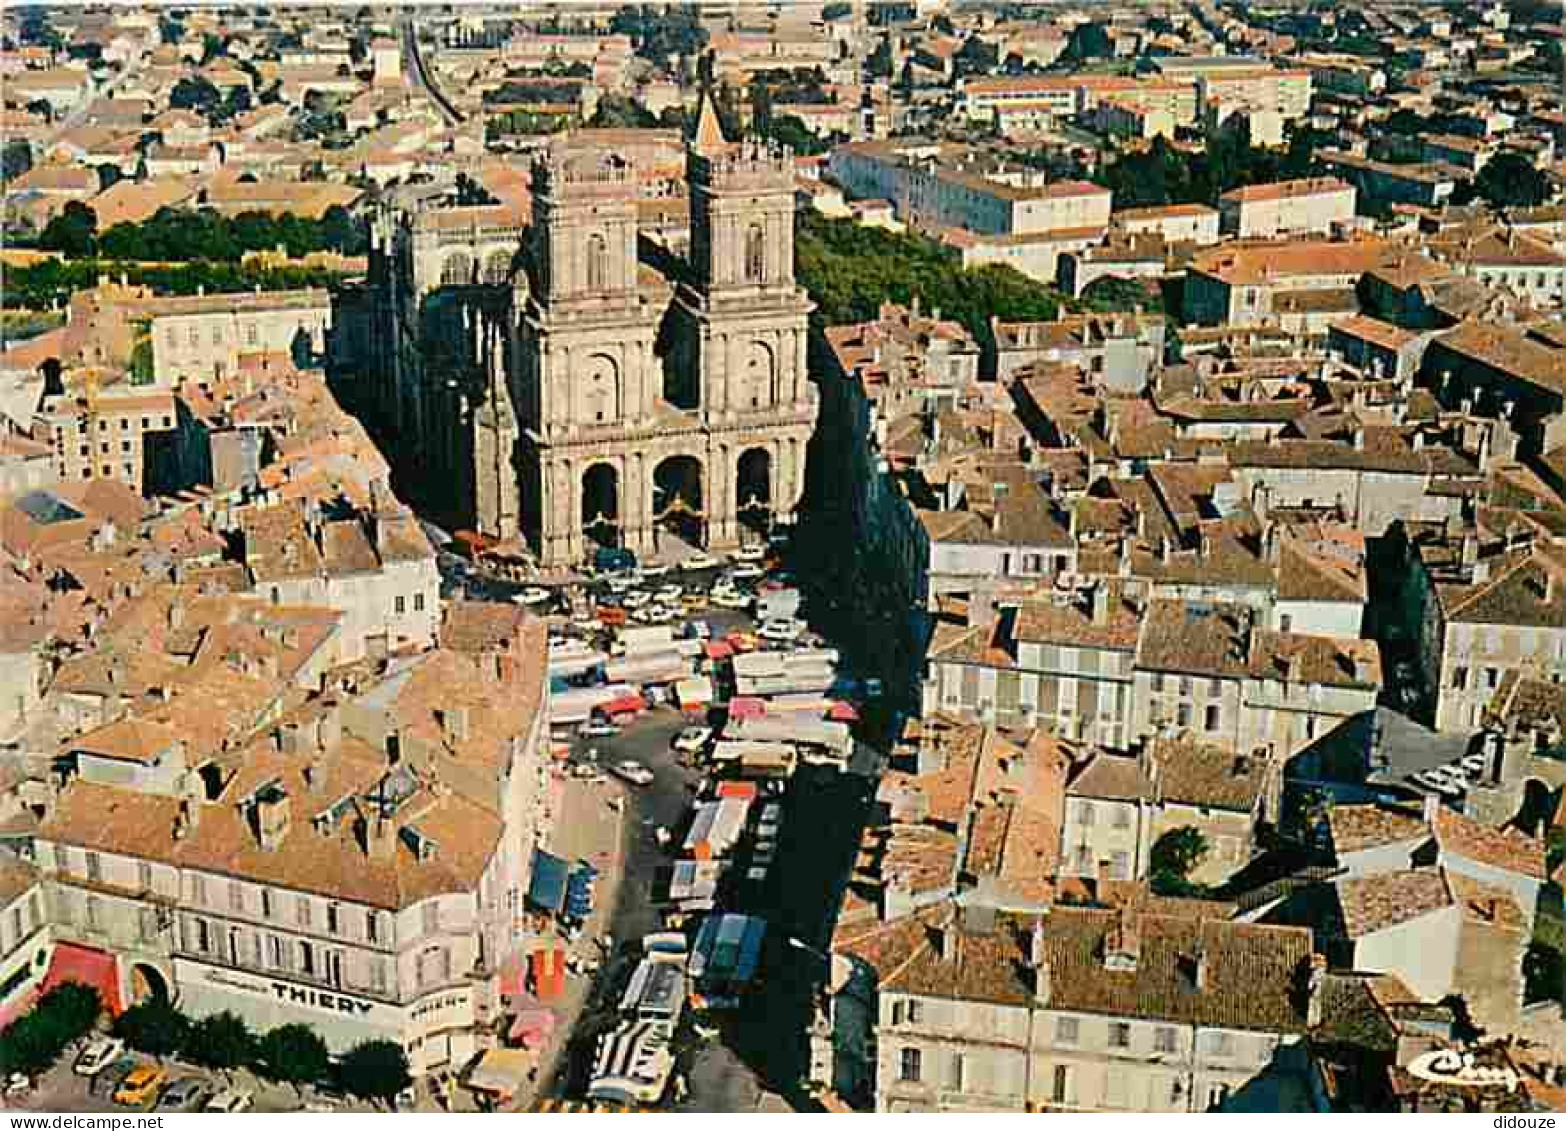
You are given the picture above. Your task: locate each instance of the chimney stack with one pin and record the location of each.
(273, 817)
(1315, 990)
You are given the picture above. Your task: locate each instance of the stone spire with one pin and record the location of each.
(709, 129)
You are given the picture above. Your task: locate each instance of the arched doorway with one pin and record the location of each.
(601, 505)
(148, 983)
(678, 507)
(753, 490)
(456, 270)
(497, 267)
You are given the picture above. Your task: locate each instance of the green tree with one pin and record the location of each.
(344, 232)
(34, 1041)
(1543, 972)
(1174, 856)
(375, 1070)
(615, 111)
(73, 231)
(1510, 180)
(1114, 293)
(292, 1054)
(153, 1026)
(194, 93)
(222, 1041)
(16, 158)
(1088, 41)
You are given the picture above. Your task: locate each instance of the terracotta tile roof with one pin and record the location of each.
(1370, 904)
(1357, 827)
(129, 740)
(1506, 849)
(1112, 777)
(1188, 772)
(1248, 972)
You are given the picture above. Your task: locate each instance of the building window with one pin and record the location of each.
(302, 911)
(378, 975)
(1085, 814)
(331, 919)
(94, 867)
(1164, 1039)
(1220, 1044)
(250, 334)
(1058, 1089)
(431, 917)
(1122, 816)
(898, 1013)
(266, 903)
(915, 1012)
(1213, 717)
(755, 254)
(1065, 1030)
(1119, 1034)
(401, 604)
(418, 602)
(372, 926)
(198, 889)
(954, 1073)
(1183, 714)
(597, 263)
(1460, 678)
(306, 957)
(911, 1066)
(236, 896)
(94, 912)
(274, 952)
(203, 936)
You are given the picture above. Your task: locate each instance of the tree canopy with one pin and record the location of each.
(72, 231)
(34, 1041)
(1510, 180)
(292, 1054)
(850, 270)
(1174, 856)
(153, 1026)
(221, 1040)
(374, 1070)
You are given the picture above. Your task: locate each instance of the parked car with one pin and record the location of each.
(782, 630)
(140, 1086)
(692, 740)
(698, 561)
(730, 599)
(693, 602)
(747, 572)
(532, 595)
(107, 1082)
(752, 553)
(669, 593)
(18, 1084)
(188, 1093)
(654, 572)
(232, 1101)
(98, 1055)
(597, 729)
(633, 772)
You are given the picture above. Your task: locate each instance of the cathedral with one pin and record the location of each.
(541, 371)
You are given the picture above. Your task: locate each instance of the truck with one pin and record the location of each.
(649, 667)
(726, 958)
(774, 603)
(577, 704)
(820, 741)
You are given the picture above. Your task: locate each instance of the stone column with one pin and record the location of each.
(634, 500)
(721, 528)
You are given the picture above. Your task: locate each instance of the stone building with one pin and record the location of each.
(574, 387)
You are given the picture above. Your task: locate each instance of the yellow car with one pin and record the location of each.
(140, 1087)
(694, 602)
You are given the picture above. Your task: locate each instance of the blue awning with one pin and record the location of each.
(546, 891)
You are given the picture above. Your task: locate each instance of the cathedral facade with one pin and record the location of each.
(563, 386)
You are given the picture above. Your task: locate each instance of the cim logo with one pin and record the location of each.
(1459, 1070)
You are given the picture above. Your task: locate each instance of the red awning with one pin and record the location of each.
(744, 790)
(719, 650)
(96, 968)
